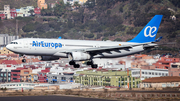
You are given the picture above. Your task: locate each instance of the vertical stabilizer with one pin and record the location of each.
(149, 32)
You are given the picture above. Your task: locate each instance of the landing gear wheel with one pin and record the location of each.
(94, 66)
(89, 63)
(76, 65)
(71, 63)
(23, 60)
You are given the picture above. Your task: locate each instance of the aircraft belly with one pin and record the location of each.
(120, 53)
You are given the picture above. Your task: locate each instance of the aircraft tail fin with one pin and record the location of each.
(149, 32)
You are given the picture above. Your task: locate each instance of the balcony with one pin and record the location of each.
(15, 80)
(15, 73)
(15, 76)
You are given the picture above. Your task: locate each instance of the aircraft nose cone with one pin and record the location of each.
(9, 47)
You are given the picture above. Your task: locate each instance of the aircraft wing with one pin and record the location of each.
(109, 48)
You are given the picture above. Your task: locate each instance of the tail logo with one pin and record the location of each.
(151, 31)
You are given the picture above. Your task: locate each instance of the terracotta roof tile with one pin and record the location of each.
(13, 62)
(162, 79)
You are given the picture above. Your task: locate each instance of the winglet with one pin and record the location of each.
(158, 39)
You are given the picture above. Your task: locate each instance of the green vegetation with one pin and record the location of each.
(118, 20)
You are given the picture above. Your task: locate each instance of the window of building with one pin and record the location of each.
(9, 74)
(2, 74)
(142, 72)
(26, 72)
(156, 73)
(174, 66)
(152, 73)
(162, 74)
(163, 85)
(177, 84)
(149, 73)
(159, 73)
(172, 85)
(145, 72)
(166, 74)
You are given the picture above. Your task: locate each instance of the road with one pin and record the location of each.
(49, 98)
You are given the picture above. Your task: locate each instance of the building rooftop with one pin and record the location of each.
(162, 79)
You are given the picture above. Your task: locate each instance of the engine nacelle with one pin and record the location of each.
(79, 56)
(48, 58)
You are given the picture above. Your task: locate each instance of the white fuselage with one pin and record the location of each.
(51, 47)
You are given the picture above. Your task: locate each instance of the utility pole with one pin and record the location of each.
(16, 28)
(128, 77)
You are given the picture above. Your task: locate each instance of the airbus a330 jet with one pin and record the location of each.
(86, 50)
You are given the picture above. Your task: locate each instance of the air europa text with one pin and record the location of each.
(46, 44)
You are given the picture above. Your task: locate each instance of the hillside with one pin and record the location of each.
(21, 3)
(119, 20)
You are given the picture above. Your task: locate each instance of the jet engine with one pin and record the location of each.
(79, 56)
(48, 58)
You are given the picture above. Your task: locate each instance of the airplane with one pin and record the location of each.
(87, 50)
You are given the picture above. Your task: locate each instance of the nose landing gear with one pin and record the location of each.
(24, 60)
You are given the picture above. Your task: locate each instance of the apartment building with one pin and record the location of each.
(37, 10)
(161, 82)
(58, 78)
(42, 76)
(42, 4)
(24, 11)
(13, 13)
(33, 77)
(7, 11)
(5, 76)
(107, 78)
(2, 16)
(4, 50)
(20, 74)
(6, 39)
(174, 69)
(149, 73)
(71, 1)
(165, 63)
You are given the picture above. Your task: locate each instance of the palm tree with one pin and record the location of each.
(76, 4)
(68, 6)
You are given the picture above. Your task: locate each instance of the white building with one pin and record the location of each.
(7, 11)
(6, 39)
(18, 86)
(144, 73)
(70, 1)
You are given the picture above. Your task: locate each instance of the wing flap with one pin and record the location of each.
(105, 49)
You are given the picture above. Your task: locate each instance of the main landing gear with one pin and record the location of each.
(74, 64)
(92, 64)
(88, 63)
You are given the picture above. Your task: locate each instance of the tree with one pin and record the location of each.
(117, 39)
(32, 12)
(68, 6)
(76, 4)
(89, 35)
(60, 9)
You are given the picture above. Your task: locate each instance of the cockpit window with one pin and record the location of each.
(13, 43)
